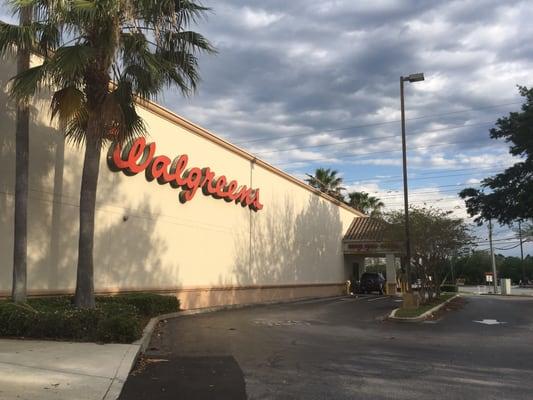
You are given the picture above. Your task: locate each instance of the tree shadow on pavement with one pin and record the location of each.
(213, 377)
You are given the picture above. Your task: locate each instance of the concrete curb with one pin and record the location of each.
(421, 317)
(118, 381)
(500, 295)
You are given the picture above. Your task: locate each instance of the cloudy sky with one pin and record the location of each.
(316, 84)
(305, 84)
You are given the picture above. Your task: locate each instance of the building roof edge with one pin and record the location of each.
(204, 133)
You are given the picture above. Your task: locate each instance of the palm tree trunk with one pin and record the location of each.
(84, 297)
(20, 249)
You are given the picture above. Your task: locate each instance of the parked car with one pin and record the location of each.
(372, 282)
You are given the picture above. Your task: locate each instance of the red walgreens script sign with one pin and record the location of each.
(138, 156)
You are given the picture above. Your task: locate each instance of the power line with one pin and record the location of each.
(509, 239)
(508, 248)
(400, 192)
(377, 123)
(423, 193)
(379, 177)
(422, 177)
(373, 138)
(380, 152)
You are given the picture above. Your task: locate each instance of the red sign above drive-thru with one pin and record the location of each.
(138, 156)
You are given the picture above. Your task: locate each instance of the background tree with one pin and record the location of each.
(365, 203)
(472, 267)
(508, 196)
(22, 144)
(327, 181)
(436, 236)
(527, 232)
(141, 46)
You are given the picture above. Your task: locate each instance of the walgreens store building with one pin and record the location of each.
(180, 212)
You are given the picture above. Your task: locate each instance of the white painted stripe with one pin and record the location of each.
(378, 298)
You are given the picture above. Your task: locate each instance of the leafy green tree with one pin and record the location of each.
(327, 181)
(365, 203)
(472, 267)
(436, 237)
(508, 196)
(527, 232)
(141, 46)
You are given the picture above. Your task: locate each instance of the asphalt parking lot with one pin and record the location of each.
(342, 349)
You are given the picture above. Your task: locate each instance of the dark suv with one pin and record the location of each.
(372, 282)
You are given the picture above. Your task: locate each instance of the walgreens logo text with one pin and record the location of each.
(138, 156)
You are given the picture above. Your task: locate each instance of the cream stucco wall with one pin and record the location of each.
(146, 239)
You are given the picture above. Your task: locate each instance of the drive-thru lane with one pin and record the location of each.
(342, 349)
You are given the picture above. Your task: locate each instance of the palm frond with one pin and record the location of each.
(67, 103)
(144, 45)
(76, 128)
(48, 38)
(172, 13)
(119, 116)
(69, 63)
(16, 36)
(185, 41)
(28, 83)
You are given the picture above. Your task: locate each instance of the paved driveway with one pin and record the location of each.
(342, 349)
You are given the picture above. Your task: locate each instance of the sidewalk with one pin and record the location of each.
(486, 289)
(32, 369)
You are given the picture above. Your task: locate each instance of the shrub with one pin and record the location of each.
(115, 319)
(449, 288)
(15, 320)
(118, 328)
(148, 304)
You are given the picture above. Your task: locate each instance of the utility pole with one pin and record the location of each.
(493, 260)
(521, 252)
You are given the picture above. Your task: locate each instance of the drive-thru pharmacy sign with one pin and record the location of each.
(138, 156)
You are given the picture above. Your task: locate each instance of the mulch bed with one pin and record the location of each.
(454, 305)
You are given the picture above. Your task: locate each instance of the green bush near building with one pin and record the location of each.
(116, 319)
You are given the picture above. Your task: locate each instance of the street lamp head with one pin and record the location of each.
(415, 77)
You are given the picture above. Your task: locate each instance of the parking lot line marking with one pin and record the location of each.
(377, 298)
(490, 322)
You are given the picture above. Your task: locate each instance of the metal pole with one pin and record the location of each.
(405, 193)
(453, 272)
(493, 260)
(521, 252)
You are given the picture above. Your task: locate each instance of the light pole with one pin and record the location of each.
(493, 260)
(411, 78)
(521, 252)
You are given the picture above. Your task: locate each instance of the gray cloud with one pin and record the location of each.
(290, 67)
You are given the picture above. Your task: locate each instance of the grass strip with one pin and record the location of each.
(416, 312)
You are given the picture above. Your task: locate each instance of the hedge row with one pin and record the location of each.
(116, 319)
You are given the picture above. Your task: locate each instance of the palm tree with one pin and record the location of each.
(365, 203)
(141, 46)
(327, 181)
(22, 141)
